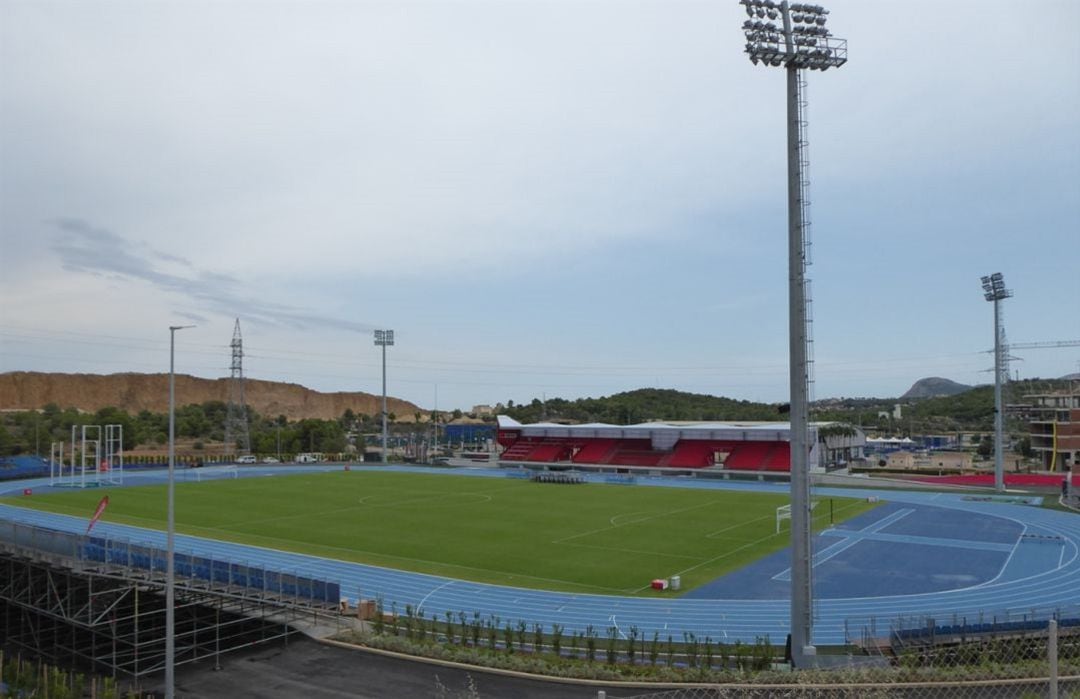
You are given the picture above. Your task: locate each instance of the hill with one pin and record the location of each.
(28, 390)
(645, 404)
(934, 387)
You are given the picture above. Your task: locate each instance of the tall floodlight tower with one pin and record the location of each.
(994, 290)
(384, 339)
(170, 526)
(800, 42)
(236, 422)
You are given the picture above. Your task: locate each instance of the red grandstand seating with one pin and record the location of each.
(635, 452)
(689, 453)
(750, 456)
(595, 451)
(779, 458)
(518, 450)
(755, 456)
(550, 450)
(539, 449)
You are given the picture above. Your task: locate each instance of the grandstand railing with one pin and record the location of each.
(140, 560)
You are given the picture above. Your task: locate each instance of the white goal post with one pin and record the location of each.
(784, 512)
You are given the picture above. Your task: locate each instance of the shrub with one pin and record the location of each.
(508, 638)
(556, 639)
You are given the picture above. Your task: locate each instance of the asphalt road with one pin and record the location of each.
(312, 670)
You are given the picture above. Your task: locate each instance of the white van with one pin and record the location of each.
(247, 459)
(308, 458)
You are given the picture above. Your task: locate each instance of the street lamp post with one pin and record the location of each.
(994, 290)
(384, 339)
(170, 564)
(800, 42)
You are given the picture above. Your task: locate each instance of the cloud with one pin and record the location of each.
(91, 249)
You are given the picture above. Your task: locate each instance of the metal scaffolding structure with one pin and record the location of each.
(107, 616)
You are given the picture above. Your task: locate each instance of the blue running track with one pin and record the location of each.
(945, 555)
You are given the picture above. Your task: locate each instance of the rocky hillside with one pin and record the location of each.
(27, 390)
(934, 387)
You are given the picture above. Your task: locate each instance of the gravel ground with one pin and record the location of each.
(312, 670)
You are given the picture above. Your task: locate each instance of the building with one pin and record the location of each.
(746, 446)
(1054, 424)
(456, 433)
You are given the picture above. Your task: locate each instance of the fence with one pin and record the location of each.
(1015, 665)
(919, 630)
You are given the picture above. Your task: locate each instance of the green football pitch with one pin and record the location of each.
(578, 538)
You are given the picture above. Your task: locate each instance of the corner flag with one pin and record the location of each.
(98, 512)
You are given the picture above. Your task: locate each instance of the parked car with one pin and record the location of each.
(270, 460)
(246, 459)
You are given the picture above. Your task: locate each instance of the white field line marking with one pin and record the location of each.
(420, 606)
(419, 501)
(646, 553)
(327, 547)
(364, 506)
(1008, 559)
(628, 514)
(644, 519)
(727, 553)
(713, 535)
(425, 561)
(723, 555)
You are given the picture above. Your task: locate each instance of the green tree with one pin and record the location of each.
(7, 442)
(1023, 445)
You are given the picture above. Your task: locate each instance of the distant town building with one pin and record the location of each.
(468, 433)
(483, 410)
(1054, 420)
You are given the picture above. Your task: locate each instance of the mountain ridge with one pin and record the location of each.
(934, 387)
(133, 392)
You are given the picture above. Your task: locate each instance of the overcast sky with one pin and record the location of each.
(561, 198)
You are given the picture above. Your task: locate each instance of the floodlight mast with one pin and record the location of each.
(170, 528)
(384, 339)
(802, 42)
(994, 290)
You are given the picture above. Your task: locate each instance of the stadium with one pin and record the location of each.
(526, 195)
(733, 446)
(891, 566)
